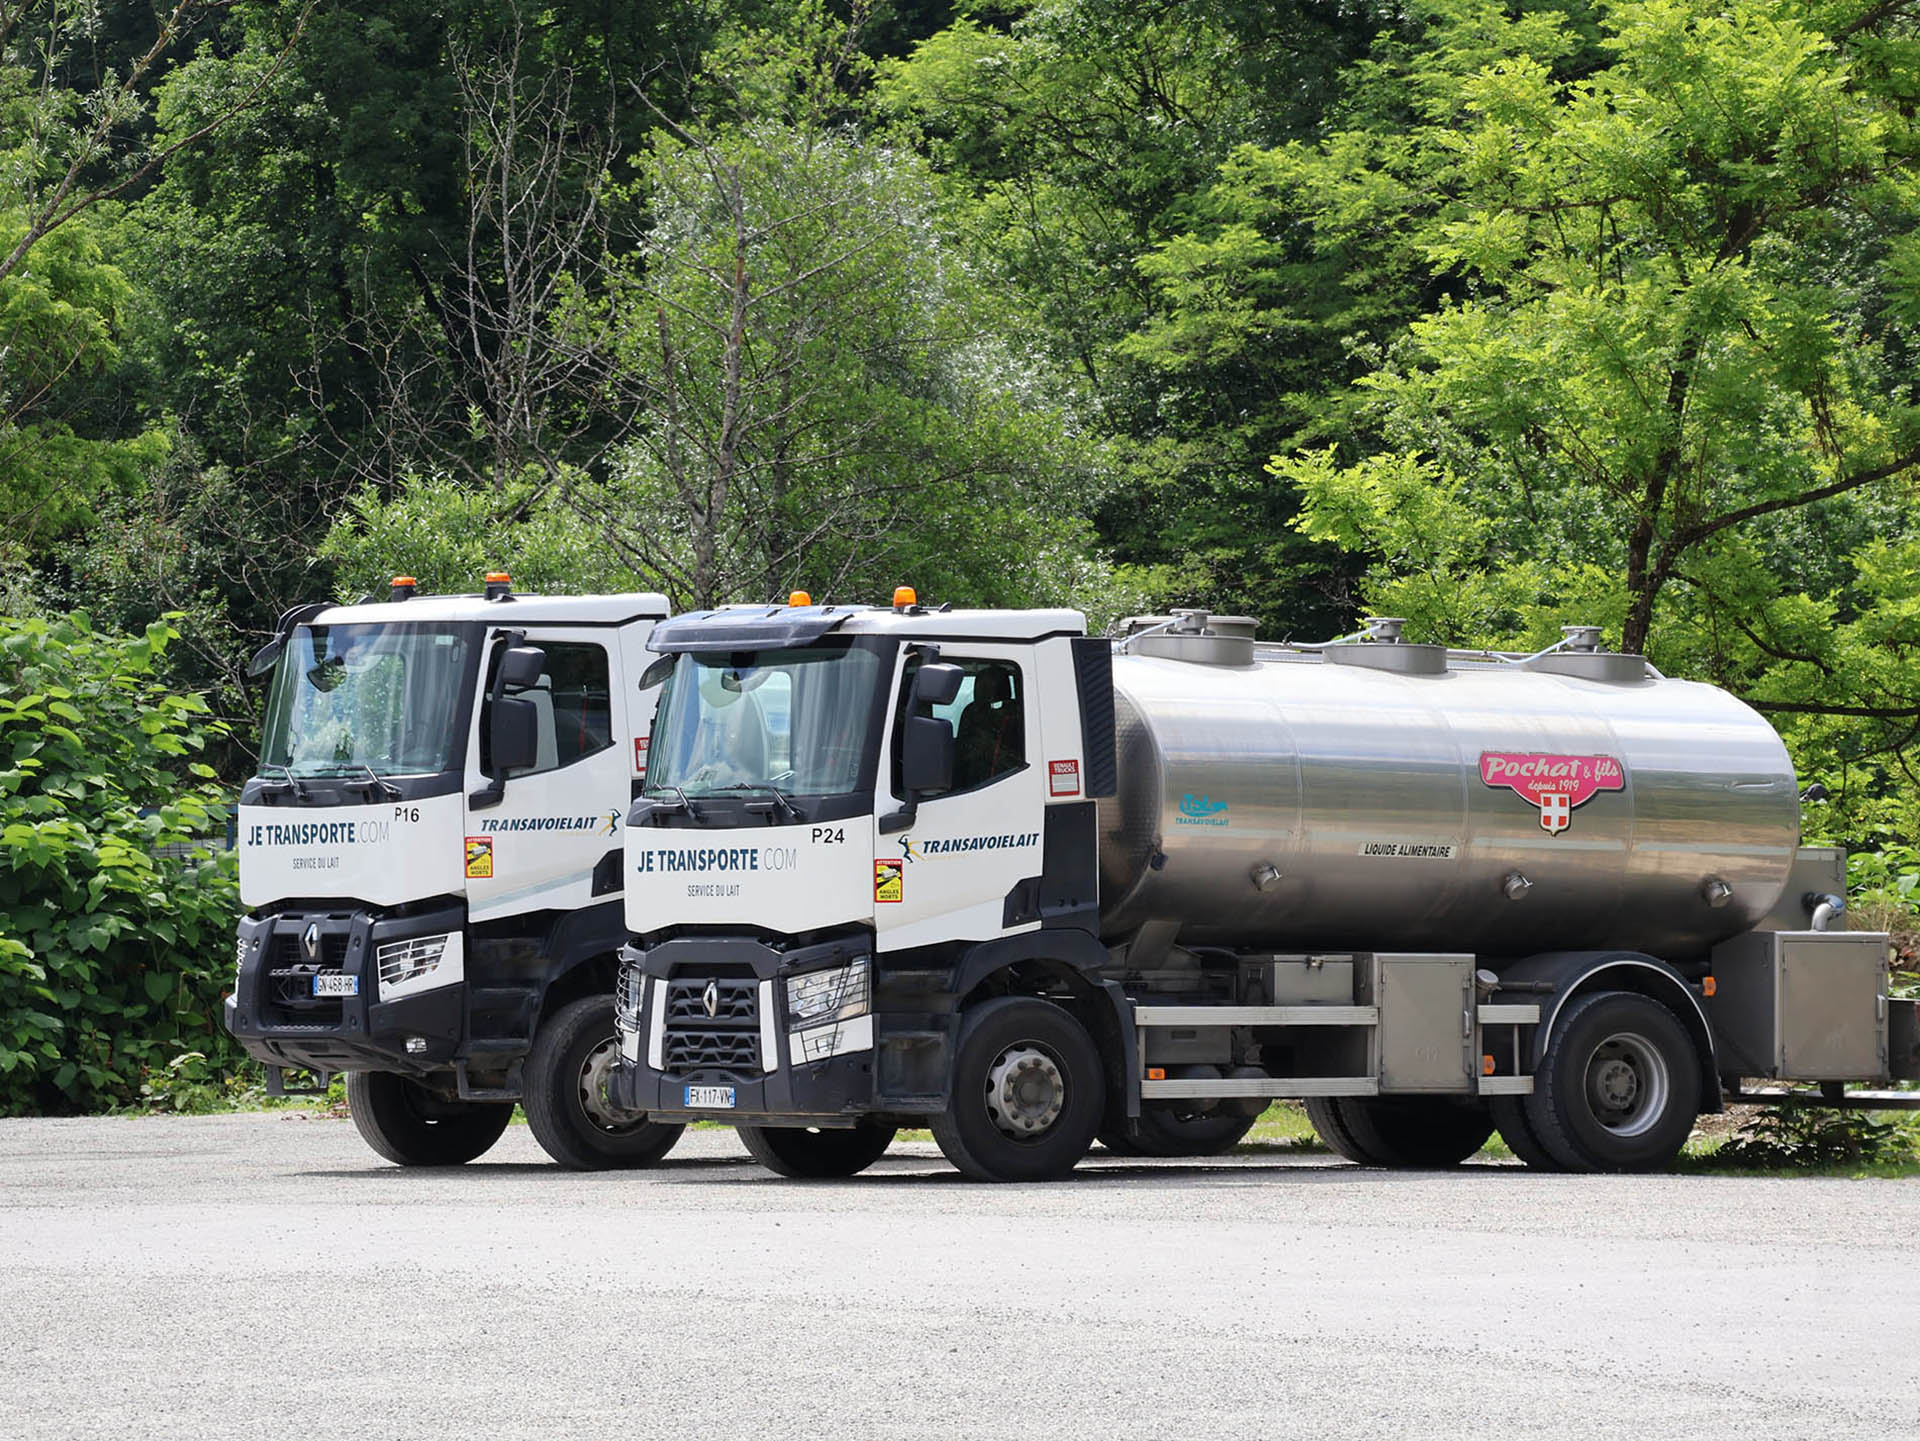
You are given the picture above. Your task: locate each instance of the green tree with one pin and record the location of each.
(1673, 389)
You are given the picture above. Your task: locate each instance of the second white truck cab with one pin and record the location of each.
(430, 858)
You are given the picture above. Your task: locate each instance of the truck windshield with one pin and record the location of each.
(797, 721)
(390, 699)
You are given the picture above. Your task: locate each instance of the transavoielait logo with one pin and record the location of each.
(1201, 811)
(906, 848)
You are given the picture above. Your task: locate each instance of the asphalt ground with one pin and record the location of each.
(266, 1276)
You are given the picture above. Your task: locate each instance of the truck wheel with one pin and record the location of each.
(1162, 1131)
(1401, 1132)
(1028, 1092)
(564, 1095)
(406, 1123)
(1618, 1088)
(812, 1155)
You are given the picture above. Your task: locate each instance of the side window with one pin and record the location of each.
(988, 717)
(574, 704)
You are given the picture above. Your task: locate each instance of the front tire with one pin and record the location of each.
(810, 1155)
(564, 1095)
(1618, 1088)
(1402, 1133)
(1028, 1092)
(410, 1126)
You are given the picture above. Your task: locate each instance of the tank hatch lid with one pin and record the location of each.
(1400, 657)
(750, 627)
(1194, 636)
(1601, 665)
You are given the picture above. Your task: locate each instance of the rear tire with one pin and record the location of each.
(1160, 1131)
(1619, 1086)
(410, 1126)
(564, 1095)
(1419, 1133)
(1028, 1092)
(816, 1155)
(1510, 1119)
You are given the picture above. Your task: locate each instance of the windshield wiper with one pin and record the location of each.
(280, 788)
(678, 794)
(782, 802)
(374, 784)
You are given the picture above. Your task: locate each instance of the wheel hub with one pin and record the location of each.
(1026, 1092)
(594, 1074)
(1628, 1084)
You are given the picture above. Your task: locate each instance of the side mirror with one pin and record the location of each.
(926, 753)
(513, 734)
(937, 684)
(657, 673)
(265, 658)
(522, 666)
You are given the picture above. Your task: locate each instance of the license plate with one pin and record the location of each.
(709, 1098)
(332, 983)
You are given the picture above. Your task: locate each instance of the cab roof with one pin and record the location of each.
(774, 627)
(532, 609)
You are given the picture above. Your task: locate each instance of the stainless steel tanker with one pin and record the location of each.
(1386, 796)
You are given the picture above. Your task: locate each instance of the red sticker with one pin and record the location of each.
(1556, 784)
(1063, 778)
(639, 753)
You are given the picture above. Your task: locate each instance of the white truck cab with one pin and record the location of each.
(430, 861)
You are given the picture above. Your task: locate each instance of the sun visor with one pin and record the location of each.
(750, 627)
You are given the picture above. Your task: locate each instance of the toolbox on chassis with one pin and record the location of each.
(430, 862)
(981, 872)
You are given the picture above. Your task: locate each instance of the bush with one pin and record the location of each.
(1808, 1138)
(116, 910)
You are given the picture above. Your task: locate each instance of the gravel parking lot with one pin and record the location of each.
(266, 1276)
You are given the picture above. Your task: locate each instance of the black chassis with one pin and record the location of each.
(916, 1003)
(475, 1033)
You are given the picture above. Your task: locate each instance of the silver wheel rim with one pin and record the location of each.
(1026, 1092)
(1628, 1084)
(594, 1074)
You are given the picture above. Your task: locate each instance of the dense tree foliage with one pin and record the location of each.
(1497, 316)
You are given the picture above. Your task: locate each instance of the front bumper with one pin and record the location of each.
(279, 1022)
(746, 1043)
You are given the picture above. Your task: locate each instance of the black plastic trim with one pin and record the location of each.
(1093, 681)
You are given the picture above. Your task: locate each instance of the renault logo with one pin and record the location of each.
(310, 941)
(710, 998)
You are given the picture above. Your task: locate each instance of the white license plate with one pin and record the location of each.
(709, 1098)
(332, 983)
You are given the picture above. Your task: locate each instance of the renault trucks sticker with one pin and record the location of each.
(1063, 778)
(1556, 784)
(889, 881)
(479, 858)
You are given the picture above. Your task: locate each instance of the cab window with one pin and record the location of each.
(574, 704)
(988, 717)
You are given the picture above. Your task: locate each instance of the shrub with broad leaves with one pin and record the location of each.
(117, 900)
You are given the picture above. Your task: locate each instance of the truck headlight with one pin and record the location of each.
(831, 995)
(403, 961)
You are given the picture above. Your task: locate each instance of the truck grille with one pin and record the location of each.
(291, 1001)
(727, 1041)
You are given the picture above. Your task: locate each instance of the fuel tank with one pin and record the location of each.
(1386, 796)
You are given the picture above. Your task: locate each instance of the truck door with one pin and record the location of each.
(553, 841)
(949, 875)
